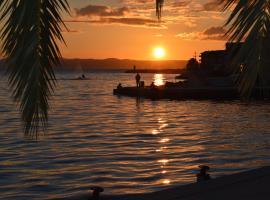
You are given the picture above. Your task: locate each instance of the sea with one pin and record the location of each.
(124, 144)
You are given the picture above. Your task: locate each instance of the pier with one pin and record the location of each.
(179, 93)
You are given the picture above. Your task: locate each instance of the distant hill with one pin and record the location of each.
(119, 64)
(115, 64)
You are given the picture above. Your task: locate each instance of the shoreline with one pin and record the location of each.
(155, 71)
(247, 185)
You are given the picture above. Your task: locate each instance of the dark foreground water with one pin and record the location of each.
(123, 144)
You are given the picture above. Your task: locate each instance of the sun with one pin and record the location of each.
(159, 52)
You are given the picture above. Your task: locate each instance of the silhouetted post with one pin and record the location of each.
(203, 176)
(96, 191)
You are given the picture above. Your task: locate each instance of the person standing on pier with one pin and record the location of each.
(138, 78)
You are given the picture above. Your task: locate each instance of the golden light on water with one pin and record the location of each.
(164, 140)
(155, 132)
(166, 181)
(163, 161)
(158, 79)
(161, 149)
(159, 52)
(163, 126)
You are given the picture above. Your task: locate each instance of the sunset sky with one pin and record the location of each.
(129, 28)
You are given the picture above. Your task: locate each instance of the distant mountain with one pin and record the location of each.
(115, 64)
(118, 64)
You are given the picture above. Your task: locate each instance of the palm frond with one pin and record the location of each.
(159, 5)
(31, 30)
(250, 22)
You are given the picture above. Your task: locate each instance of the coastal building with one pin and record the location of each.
(218, 62)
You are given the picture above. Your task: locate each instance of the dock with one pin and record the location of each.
(179, 93)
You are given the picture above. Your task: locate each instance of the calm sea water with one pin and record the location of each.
(124, 144)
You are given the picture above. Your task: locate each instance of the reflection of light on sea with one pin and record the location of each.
(163, 123)
(164, 140)
(166, 181)
(163, 126)
(163, 161)
(161, 149)
(160, 120)
(155, 132)
(158, 79)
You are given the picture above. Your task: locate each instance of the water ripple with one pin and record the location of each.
(126, 145)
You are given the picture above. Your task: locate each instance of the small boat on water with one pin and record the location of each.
(81, 78)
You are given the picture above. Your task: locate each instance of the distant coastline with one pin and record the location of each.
(119, 64)
(114, 64)
(160, 71)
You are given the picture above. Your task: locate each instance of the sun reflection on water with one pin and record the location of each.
(166, 181)
(159, 79)
(161, 149)
(163, 126)
(163, 161)
(155, 132)
(164, 140)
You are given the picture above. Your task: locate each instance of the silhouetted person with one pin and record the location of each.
(83, 76)
(152, 85)
(203, 175)
(119, 86)
(138, 78)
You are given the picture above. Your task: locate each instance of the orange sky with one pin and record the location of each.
(129, 28)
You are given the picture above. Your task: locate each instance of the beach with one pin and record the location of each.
(249, 185)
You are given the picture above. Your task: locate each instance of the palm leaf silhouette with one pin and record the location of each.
(250, 22)
(31, 30)
(159, 5)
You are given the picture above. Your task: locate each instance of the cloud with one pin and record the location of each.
(137, 2)
(190, 23)
(142, 13)
(141, 22)
(214, 5)
(102, 14)
(178, 4)
(212, 33)
(97, 10)
(192, 13)
(188, 36)
(158, 35)
(215, 30)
